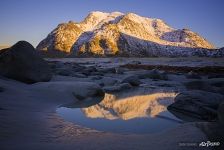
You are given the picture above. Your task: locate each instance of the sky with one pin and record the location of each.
(32, 20)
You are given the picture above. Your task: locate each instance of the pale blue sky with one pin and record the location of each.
(32, 20)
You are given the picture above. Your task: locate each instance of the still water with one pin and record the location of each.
(139, 114)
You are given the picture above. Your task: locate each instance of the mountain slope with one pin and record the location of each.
(123, 34)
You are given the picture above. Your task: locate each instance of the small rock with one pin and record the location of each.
(108, 81)
(86, 72)
(119, 70)
(136, 62)
(159, 75)
(117, 88)
(154, 74)
(91, 69)
(77, 68)
(112, 89)
(79, 75)
(217, 82)
(96, 74)
(165, 85)
(215, 76)
(133, 80)
(107, 70)
(64, 72)
(58, 64)
(125, 86)
(192, 75)
(1, 89)
(97, 77)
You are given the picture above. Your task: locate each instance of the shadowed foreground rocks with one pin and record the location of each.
(23, 63)
(197, 104)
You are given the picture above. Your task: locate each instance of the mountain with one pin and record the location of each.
(124, 35)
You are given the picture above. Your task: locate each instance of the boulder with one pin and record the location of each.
(125, 86)
(23, 63)
(197, 104)
(108, 81)
(80, 90)
(221, 113)
(132, 80)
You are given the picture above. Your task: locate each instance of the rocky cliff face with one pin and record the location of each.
(124, 34)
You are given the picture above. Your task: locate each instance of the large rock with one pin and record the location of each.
(22, 62)
(197, 104)
(221, 113)
(79, 90)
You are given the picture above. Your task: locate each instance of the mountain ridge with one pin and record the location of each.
(122, 34)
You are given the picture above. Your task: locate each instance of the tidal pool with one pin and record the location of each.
(139, 114)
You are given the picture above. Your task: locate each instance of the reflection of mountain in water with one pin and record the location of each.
(130, 107)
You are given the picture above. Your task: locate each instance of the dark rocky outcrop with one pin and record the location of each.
(197, 104)
(23, 63)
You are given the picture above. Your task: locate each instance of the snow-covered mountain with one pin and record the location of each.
(126, 35)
